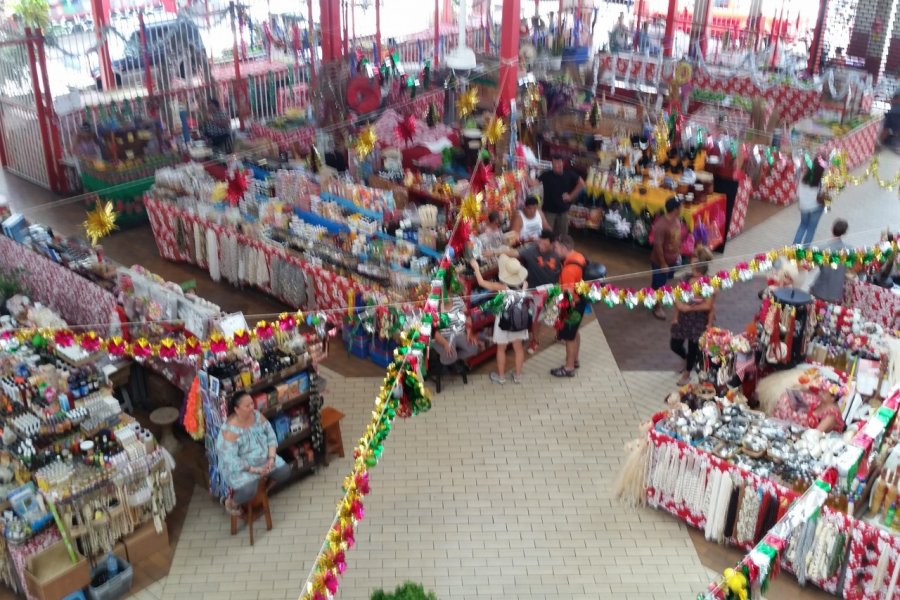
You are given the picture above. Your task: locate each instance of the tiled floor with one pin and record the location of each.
(500, 492)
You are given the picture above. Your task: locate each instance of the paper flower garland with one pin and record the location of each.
(365, 142)
(100, 222)
(466, 103)
(495, 130)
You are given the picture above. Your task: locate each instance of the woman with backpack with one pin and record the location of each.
(513, 323)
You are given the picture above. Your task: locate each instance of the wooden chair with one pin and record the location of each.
(253, 508)
(331, 425)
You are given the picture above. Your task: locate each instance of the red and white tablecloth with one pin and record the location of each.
(330, 291)
(778, 183)
(19, 553)
(741, 204)
(859, 143)
(793, 103)
(76, 299)
(876, 304)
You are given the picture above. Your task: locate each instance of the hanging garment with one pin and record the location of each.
(212, 255)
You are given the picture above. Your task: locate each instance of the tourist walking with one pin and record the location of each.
(810, 200)
(691, 319)
(572, 272)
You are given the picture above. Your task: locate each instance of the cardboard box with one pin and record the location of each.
(50, 574)
(145, 542)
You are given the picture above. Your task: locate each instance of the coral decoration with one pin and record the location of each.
(238, 184)
(100, 222)
(406, 129)
(193, 412)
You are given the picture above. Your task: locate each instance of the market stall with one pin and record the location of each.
(82, 478)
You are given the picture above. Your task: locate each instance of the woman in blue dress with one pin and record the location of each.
(246, 448)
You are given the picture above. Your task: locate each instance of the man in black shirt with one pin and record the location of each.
(561, 187)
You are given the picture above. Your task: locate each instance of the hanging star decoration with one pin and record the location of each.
(365, 142)
(238, 184)
(100, 222)
(406, 129)
(495, 130)
(470, 208)
(467, 102)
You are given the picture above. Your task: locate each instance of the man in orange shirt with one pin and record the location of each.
(572, 272)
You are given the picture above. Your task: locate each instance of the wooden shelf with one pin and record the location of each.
(303, 435)
(270, 380)
(304, 397)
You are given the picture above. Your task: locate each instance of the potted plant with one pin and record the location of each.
(407, 591)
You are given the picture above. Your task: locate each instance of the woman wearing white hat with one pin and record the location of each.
(517, 314)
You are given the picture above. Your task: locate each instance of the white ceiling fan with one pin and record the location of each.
(462, 58)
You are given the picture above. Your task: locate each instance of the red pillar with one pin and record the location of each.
(437, 33)
(669, 38)
(815, 50)
(330, 24)
(313, 45)
(40, 105)
(240, 87)
(509, 53)
(378, 32)
(100, 13)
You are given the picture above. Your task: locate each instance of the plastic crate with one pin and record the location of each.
(116, 587)
(359, 346)
(382, 357)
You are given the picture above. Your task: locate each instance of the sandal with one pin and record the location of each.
(562, 372)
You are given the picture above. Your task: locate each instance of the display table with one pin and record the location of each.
(875, 303)
(325, 290)
(125, 187)
(304, 136)
(793, 102)
(858, 143)
(76, 299)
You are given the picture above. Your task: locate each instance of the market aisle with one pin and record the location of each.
(499, 492)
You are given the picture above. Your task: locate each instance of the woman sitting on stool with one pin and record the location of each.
(246, 449)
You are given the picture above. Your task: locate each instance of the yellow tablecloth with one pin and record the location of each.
(655, 201)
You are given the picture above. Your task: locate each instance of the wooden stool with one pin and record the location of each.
(166, 417)
(253, 508)
(331, 425)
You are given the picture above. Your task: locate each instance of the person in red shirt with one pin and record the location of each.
(572, 272)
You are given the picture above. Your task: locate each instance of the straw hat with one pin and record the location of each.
(512, 273)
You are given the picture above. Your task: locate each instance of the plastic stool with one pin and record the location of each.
(79, 595)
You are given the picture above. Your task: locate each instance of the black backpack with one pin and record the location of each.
(518, 314)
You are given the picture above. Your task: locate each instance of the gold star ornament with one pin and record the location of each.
(100, 222)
